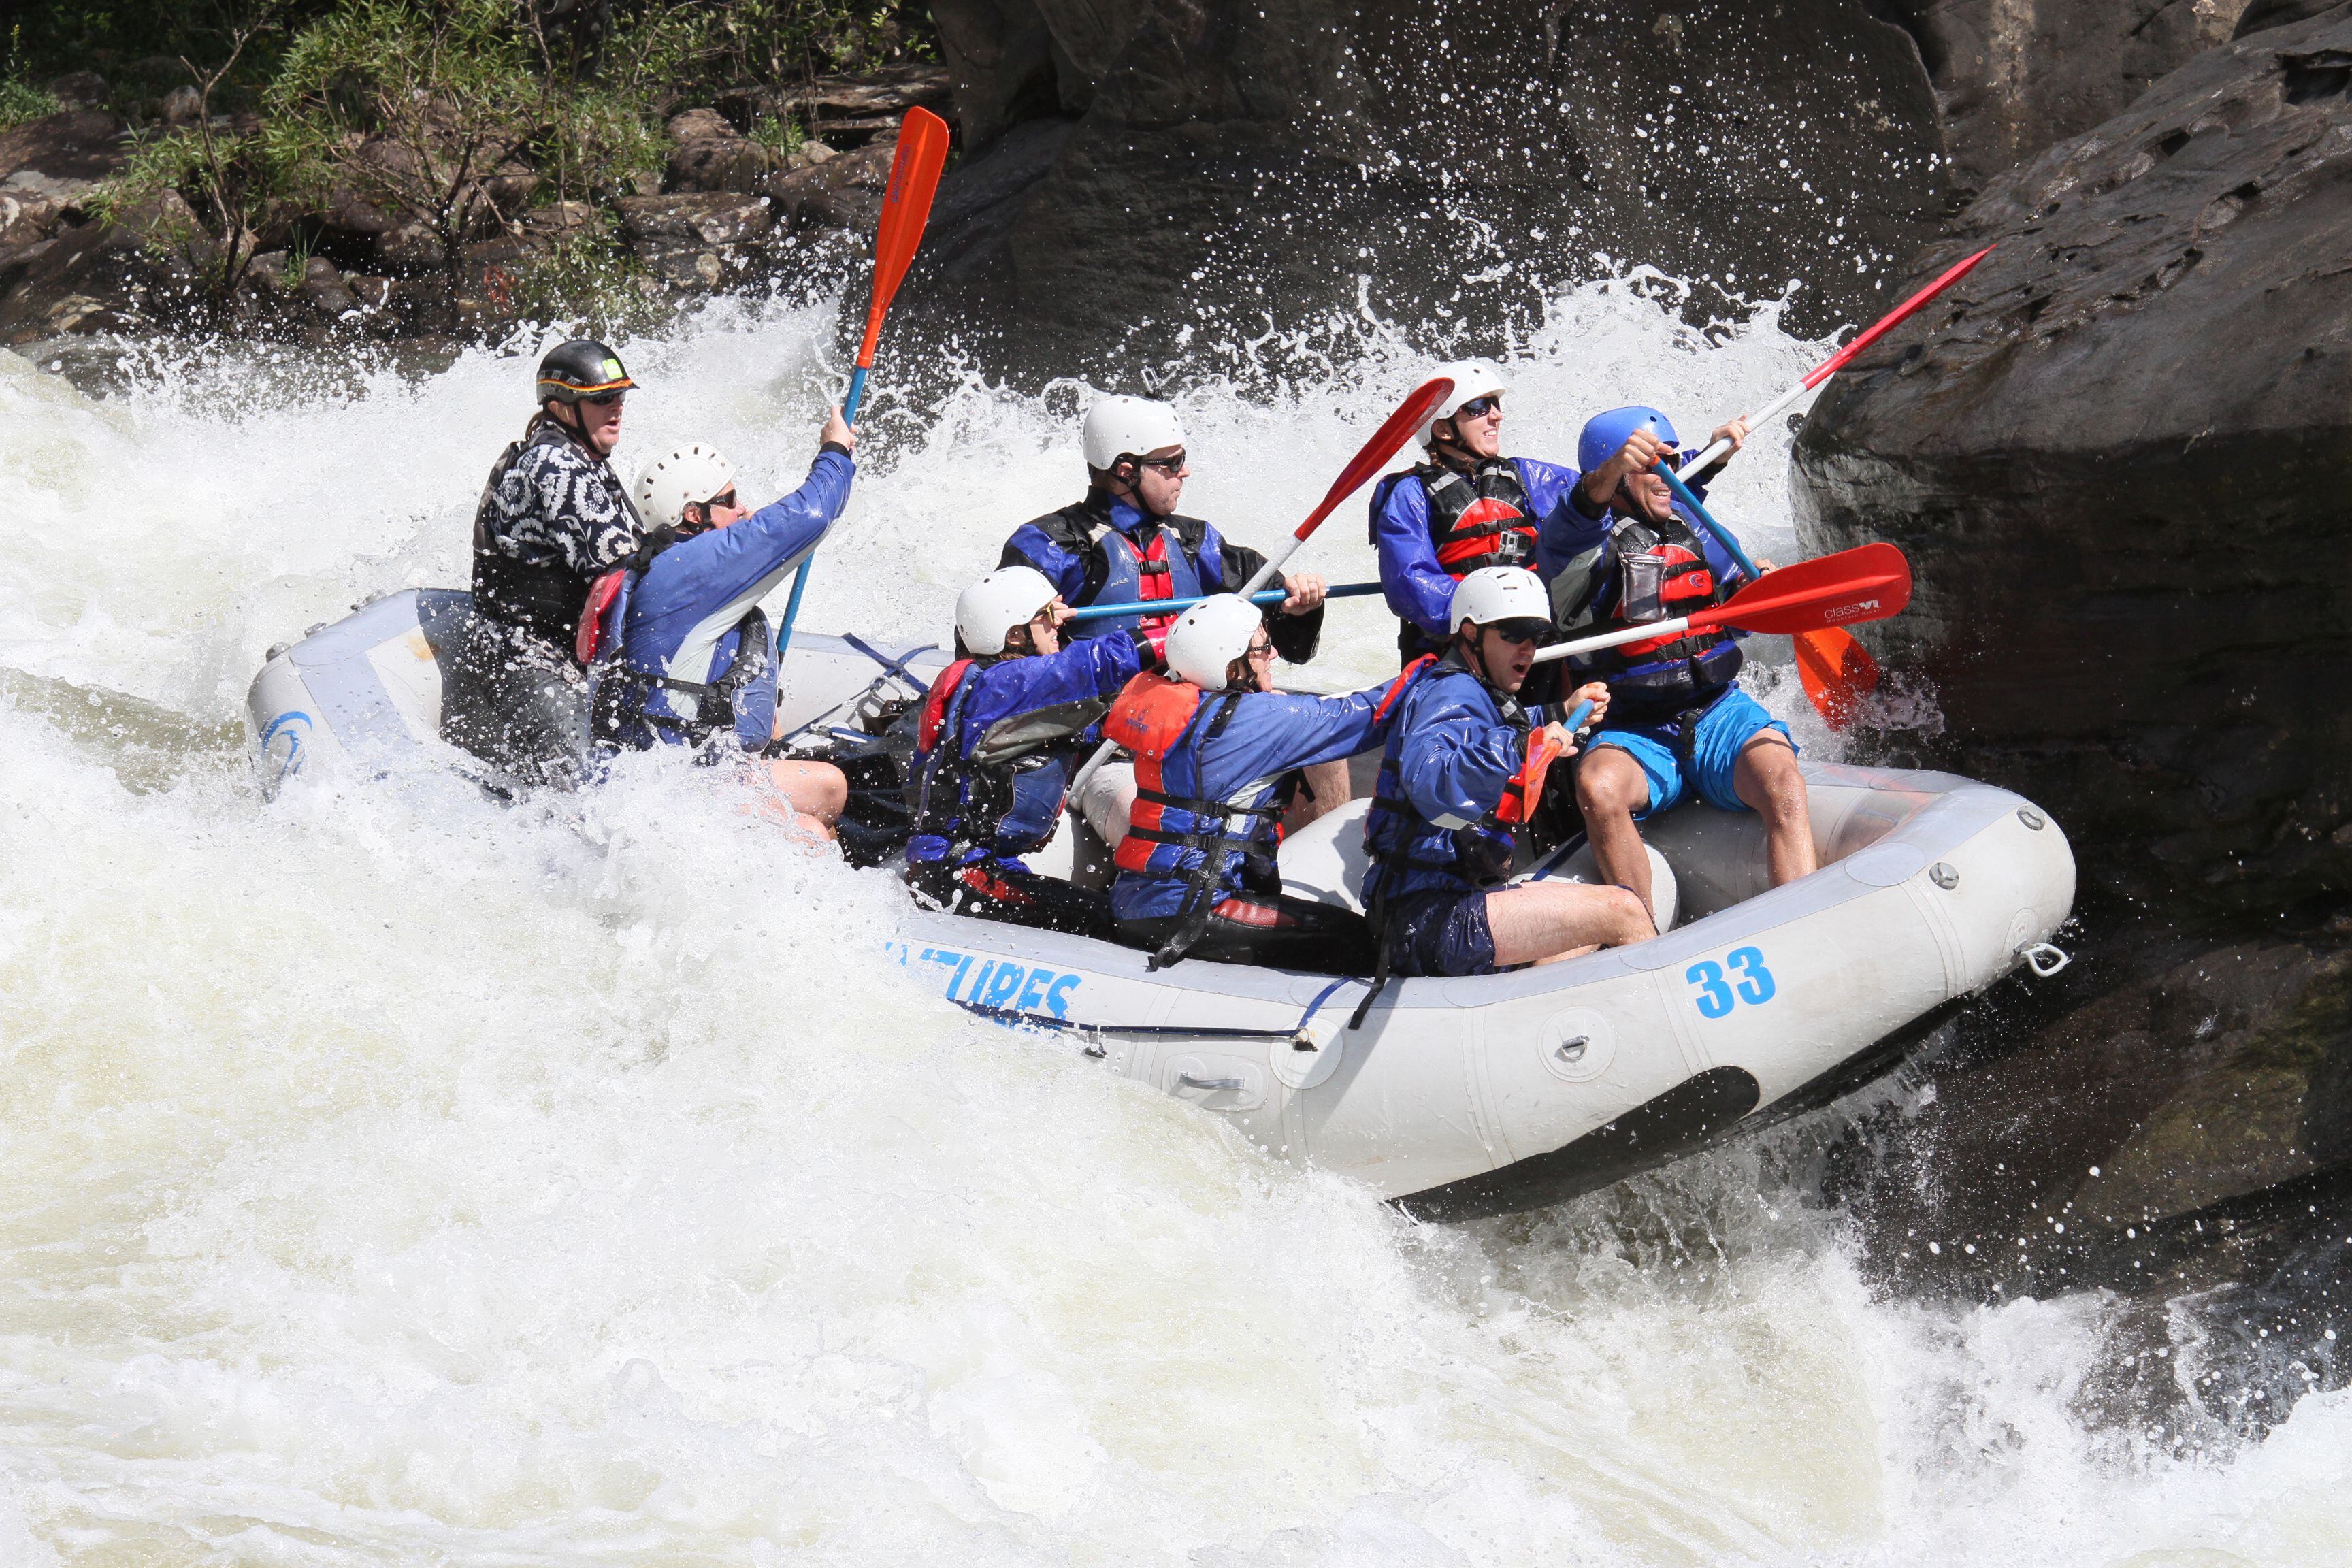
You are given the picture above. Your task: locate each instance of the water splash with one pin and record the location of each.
(391, 1176)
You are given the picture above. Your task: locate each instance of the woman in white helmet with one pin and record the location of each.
(1217, 755)
(1463, 771)
(1002, 730)
(679, 651)
(1125, 542)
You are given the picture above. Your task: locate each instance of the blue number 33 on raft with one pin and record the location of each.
(1717, 996)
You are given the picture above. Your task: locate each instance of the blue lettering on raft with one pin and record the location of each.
(1004, 987)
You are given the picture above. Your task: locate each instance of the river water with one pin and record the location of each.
(394, 1178)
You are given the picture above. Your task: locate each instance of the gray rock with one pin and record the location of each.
(1229, 158)
(79, 90)
(702, 125)
(58, 158)
(728, 162)
(2117, 469)
(183, 106)
(2011, 79)
(844, 191)
(696, 242)
(134, 276)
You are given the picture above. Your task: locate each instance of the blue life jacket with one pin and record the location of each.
(1652, 572)
(1152, 565)
(997, 742)
(1454, 840)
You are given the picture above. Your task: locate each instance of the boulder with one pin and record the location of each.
(2011, 79)
(2115, 455)
(702, 125)
(183, 106)
(718, 163)
(59, 157)
(1243, 160)
(2118, 467)
(135, 275)
(79, 90)
(835, 192)
(696, 242)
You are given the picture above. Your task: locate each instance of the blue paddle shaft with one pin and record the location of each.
(1723, 535)
(1167, 606)
(1575, 721)
(800, 578)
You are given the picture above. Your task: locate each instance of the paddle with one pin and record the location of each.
(1838, 361)
(1400, 427)
(1395, 432)
(1836, 671)
(906, 208)
(1865, 585)
(1166, 607)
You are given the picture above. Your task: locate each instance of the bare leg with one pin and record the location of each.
(1543, 922)
(817, 793)
(1769, 784)
(1328, 782)
(1610, 788)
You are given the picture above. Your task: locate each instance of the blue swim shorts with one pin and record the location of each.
(1676, 764)
(1440, 933)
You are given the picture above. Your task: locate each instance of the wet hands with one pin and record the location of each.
(1306, 592)
(837, 431)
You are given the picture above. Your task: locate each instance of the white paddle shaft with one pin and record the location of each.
(1716, 450)
(1673, 629)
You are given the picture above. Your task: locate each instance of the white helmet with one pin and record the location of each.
(1209, 637)
(1472, 378)
(1009, 596)
(1129, 427)
(669, 485)
(1496, 594)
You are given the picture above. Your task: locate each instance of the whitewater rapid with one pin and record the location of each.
(394, 1178)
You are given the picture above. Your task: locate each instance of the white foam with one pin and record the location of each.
(391, 1177)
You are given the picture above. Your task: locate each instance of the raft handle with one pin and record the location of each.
(1572, 1049)
(1189, 1081)
(2031, 818)
(2044, 958)
(1945, 875)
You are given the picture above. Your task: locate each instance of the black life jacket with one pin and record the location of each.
(1478, 520)
(1151, 565)
(621, 690)
(1005, 797)
(1660, 572)
(543, 600)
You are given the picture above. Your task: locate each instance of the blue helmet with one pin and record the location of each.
(1605, 433)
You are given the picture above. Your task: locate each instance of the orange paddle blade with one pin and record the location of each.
(1393, 433)
(1865, 585)
(906, 208)
(1837, 673)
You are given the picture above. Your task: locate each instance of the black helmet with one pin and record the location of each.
(580, 368)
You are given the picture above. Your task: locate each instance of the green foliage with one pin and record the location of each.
(19, 100)
(774, 43)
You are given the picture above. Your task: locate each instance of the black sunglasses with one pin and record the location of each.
(726, 500)
(1479, 408)
(1520, 634)
(1171, 467)
(605, 399)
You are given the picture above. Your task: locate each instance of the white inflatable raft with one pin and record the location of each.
(1457, 1097)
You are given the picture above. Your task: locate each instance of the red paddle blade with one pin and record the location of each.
(906, 208)
(1837, 673)
(1893, 319)
(1853, 586)
(1399, 428)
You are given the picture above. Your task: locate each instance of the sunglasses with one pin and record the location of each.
(1260, 652)
(1171, 467)
(726, 500)
(1520, 634)
(1479, 408)
(605, 399)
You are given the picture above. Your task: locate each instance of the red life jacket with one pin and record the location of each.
(935, 705)
(1478, 521)
(1148, 717)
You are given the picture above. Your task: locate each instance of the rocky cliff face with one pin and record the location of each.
(1138, 164)
(2119, 466)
